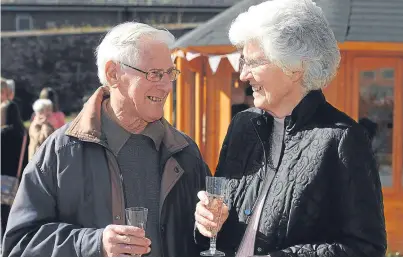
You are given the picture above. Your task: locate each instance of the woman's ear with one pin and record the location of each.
(296, 76)
(111, 72)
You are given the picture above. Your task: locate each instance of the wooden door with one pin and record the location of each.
(377, 103)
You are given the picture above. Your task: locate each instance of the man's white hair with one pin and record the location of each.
(40, 105)
(125, 42)
(11, 85)
(294, 35)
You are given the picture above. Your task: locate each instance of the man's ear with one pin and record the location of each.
(111, 72)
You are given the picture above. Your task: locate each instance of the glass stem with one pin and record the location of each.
(213, 246)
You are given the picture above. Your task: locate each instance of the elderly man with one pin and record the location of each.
(119, 152)
(303, 180)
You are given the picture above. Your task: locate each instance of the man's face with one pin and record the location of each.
(4, 94)
(269, 83)
(142, 97)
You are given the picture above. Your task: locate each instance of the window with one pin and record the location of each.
(23, 22)
(369, 75)
(376, 109)
(51, 24)
(388, 74)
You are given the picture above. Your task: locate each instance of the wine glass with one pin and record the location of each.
(137, 217)
(215, 188)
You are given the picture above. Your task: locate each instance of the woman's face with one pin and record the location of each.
(269, 83)
(272, 88)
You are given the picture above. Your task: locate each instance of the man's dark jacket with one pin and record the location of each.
(72, 189)
(325, 195)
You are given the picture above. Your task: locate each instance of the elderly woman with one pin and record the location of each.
(302, 177)
(40, 128)
(57, 118)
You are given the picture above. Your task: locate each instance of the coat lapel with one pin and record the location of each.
(172, 172)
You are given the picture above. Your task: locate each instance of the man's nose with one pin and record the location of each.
(165, 85)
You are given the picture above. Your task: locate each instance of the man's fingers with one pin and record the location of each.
(129, 249)
(203, 197)
(122, 239)
(130, 240)
(128, 230)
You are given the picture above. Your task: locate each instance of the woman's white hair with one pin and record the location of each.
(40, 105)
(294, 35)
(125, 42)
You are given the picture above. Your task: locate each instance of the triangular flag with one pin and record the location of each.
(214, 61)
(176, 54)
(190, 56)
(180, 53)
(234, 60)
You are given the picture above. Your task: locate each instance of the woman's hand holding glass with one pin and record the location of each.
(208, 218)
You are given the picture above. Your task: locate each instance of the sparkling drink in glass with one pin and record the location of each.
(215, 188)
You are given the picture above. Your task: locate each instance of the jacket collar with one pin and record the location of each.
(304, 111)
(300, 115)
(117, 136)
(87, 125)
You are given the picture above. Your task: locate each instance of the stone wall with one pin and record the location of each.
(63, 62)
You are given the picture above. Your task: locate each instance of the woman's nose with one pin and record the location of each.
(245, 74)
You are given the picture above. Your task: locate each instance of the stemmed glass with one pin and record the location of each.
(137, 217)
(215, 188)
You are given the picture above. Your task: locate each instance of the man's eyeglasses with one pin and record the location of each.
(156, 75)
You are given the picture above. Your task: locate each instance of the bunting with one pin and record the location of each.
(214, 60)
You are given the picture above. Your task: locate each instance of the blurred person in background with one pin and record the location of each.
(238, 98)
(9, 93)
(57, 118)
(40, 128)
(370, 126)
(7, 90)
(14, 154)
